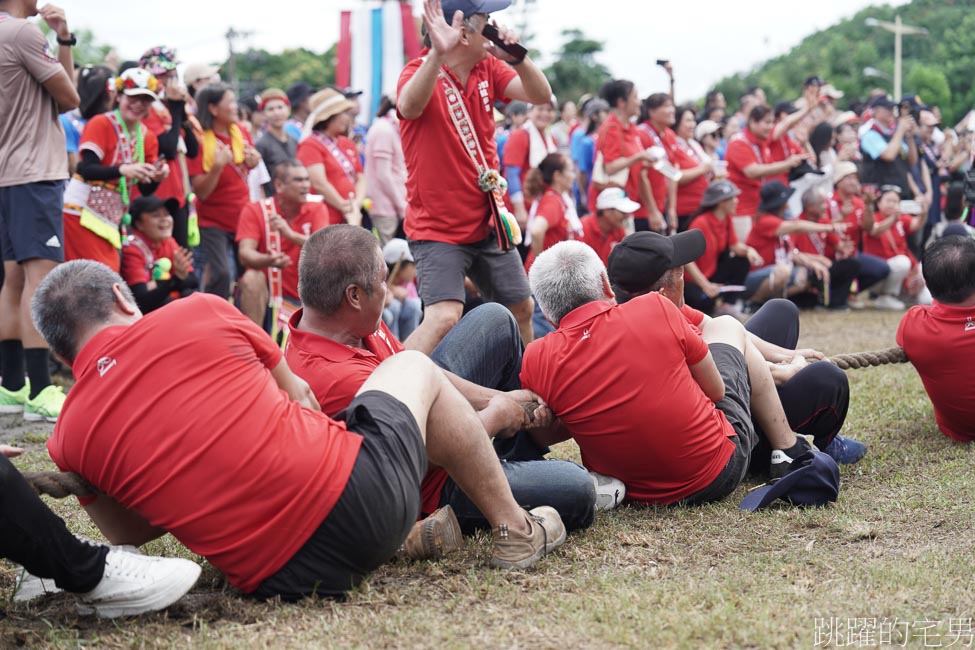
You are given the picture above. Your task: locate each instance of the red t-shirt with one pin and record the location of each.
(159, 121)
(313, 151)
(689, 195)
(517, 151)
(616, 140)
(745, 149)
(781, 149)
(693, 317)
(101, 135)
(891, 243)
(853, 232)
(178, 418)
(649, 137)
(551, 208)
(940, 342)
(444, 201)
(312, 217)
(764, 240)
(222, 208)
(817, 243)
(594, 237)
(136, 266)
(336, 372)
(719, 236)
(639, 417)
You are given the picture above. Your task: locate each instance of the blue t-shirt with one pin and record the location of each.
(873, 144)
(73, 126)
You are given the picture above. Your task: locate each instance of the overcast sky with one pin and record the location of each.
(705, 39)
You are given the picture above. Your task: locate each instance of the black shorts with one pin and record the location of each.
(32, 221)
(375, 513)
(737, 410)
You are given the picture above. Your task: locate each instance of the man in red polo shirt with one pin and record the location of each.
(289, 218)
(650, 420)
(939, 339)
(604, 229)
(234, 458)
(449, 157)
(335, 345)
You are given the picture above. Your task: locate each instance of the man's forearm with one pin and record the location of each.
(477, 395)
(416, 94)
(533, 82)
(66, 57)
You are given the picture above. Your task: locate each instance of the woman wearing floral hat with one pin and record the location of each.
(168, 120)
(117, 153)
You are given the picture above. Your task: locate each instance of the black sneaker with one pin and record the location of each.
(782, 458)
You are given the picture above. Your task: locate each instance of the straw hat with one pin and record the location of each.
(326, 104)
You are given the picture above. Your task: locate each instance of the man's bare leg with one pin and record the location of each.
(522, 312)
(452, 433)
(254, 295)
(765, 405)
(438, 319)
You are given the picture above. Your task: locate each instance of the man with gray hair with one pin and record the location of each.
(693, 388)
(208, 435)
(338, 339)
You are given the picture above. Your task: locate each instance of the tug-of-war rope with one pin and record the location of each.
(64, 484)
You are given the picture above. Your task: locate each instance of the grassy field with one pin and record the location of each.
(895, 552)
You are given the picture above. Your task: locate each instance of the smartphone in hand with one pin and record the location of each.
(516, 50)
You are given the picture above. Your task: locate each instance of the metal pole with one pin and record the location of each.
(898, 35)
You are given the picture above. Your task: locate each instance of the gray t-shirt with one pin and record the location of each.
(32, 146)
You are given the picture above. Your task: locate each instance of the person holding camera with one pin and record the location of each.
(888, 146)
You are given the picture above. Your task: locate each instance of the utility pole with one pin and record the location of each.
(899, 29)
(232, 35)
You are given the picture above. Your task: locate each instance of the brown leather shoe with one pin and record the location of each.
(433, 537)
(514, 550)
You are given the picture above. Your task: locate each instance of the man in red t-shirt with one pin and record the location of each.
(234, 457)
(693, 450)
(448, 215)
(604, 229)
(939, 339)
(791, 389)
(294, 219)
(335, 346)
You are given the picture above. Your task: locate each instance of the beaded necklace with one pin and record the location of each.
(125, 152)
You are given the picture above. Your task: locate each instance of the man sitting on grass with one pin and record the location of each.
(189, 421)
(792, 390)
(646, 397)
(939, 339)
(339, 338)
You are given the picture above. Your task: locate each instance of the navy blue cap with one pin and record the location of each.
(471, 7)
(815, 481)
(882, 102)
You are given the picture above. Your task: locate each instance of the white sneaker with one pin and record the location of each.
(610, 491)
(888, 303)
(135, 584)
(30, 587)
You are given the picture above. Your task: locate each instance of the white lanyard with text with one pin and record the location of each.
(273, 240)
(337, 154)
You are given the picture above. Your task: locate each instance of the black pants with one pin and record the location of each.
(730, 270)
(841, 276)
(817, 397)
(32, 535)
(181, 216)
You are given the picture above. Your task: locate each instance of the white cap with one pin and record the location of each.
(614, 198)
(397, 250)
(706, 127)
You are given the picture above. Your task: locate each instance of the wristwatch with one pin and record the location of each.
(70, 42)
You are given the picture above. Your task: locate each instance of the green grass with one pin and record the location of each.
(897, 545)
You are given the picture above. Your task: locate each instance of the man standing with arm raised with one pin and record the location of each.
(445, 104)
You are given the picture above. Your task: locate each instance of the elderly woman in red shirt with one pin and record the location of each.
(697, 168)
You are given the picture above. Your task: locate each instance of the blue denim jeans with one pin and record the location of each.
(485, 348)
(402, 317)
(873, 269)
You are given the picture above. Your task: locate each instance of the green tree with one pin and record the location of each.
(260, 69)
(930, 83)
(937, 66)
(576, 71)
(88, 51)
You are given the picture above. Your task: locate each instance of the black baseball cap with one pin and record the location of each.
(882, 102)
(814, 80)
(773, 195)
(471, 7)
(643, 257)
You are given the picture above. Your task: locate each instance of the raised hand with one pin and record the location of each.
(443, 37)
